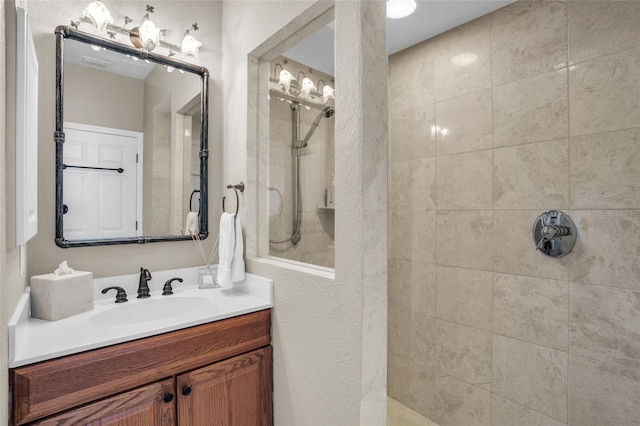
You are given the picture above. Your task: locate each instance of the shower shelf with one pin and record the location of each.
(323, 207)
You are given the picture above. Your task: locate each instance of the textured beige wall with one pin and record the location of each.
(44, 256)
(102, 98)
(324, 328)
(483, 328)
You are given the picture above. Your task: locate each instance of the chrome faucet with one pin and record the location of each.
(143, 287)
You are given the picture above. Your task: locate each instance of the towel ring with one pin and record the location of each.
(236, 188)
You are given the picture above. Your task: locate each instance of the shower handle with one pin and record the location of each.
(554, 233)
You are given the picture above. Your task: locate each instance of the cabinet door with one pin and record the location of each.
(234, 392)
(151, 405)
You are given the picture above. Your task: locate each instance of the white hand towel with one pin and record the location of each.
(226, 249)
(237, 266)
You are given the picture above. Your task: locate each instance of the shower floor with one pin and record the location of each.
(401, 415)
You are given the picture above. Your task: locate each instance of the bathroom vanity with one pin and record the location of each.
(208, 367)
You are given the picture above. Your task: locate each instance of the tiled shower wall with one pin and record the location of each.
(533, 107)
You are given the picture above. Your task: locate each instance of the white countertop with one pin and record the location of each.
(33, 340)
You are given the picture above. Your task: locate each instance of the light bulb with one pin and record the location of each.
(99, 15)
(149, 34)
(190, 46)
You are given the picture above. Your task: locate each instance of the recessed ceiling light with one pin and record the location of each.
(397, 9)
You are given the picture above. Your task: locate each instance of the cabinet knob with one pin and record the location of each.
(168, 397)
(186, 390)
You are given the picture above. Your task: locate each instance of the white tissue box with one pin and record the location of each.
(54, 297)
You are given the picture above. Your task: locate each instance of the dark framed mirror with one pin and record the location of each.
(131, 140)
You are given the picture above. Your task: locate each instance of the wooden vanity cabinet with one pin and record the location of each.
(216, 374)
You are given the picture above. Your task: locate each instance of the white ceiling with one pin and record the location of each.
(432, 17)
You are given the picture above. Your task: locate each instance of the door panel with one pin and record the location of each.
(235, 392)
(144, 406)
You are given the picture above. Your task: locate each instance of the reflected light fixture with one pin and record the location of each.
(328, 92)
(397, 9)
(284, 79)
(99, 15)
(190, 46)
(464, 59)
(308, 88)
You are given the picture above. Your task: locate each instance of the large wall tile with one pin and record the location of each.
(413, 285)
(412, 383)
(605, 170)
(399, 329)
(528, 38)
(464, 296)
(464, 353)
(410, 136)
(531, 375)
(459, 404)
(532, 309)
(532, 176)
(412, 236)
(423, 338)
(607, 90)
(464, 239)
(464, 181)
(606, 252)
(604, 324)
(463, 60)
(412, 185)
(514, 248)
(602, 394)
(508, 413)
(531, 110)
(411, 79)
(464, 123)
(598, 28)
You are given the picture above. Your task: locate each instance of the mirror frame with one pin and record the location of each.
(63, 32)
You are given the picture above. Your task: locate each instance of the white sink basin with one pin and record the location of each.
(151, 310)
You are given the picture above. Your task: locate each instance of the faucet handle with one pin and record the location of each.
(145, 274)
(167, 289)
(121, 295)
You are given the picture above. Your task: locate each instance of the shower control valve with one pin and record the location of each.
(554, 233)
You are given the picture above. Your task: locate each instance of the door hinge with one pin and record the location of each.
(136, 158)
(136, 225)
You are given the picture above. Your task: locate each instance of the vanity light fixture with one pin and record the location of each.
(398, 9)
(190, 46)
(99, 15)
(146, 36)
